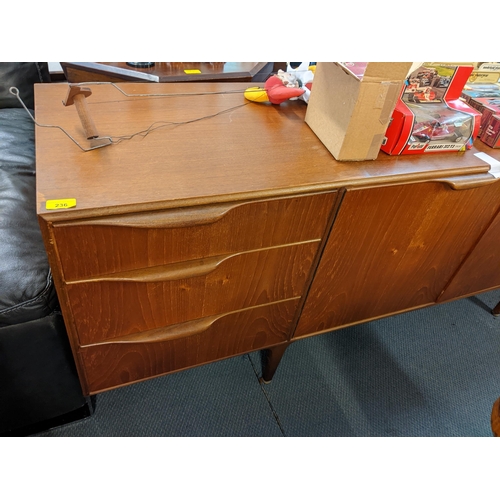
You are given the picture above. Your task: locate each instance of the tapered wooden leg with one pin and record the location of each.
(271, 360)
(495, 418)
(496, 310)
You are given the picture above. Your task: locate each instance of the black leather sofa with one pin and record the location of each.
(39, 386)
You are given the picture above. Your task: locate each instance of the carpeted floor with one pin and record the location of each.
(431, 372)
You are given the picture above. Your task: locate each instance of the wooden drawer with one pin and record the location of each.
(105, 245)
(120, 304)
(141, 356)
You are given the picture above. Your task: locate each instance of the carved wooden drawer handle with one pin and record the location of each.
(460, 183)
(171, 332)
(179, 270)
(170, 272)
(180, 217)
(177, 217)
(177, 331)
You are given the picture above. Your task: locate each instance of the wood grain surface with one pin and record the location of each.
(481, 270)
(495, 418)
(167, 71)
(245, 150)
(116, 364)
(105, 309)
(225, 224)
(394, 248)
(108, 245)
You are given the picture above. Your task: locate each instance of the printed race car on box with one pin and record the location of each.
(430, 117)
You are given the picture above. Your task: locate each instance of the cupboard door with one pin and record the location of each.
(392, 249)
(481, 270)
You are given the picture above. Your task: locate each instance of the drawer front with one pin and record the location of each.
(146, 355)
(150, 298)
(106, 245)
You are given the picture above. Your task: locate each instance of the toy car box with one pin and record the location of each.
(484, 76)
(482, 72)
(490, 121)
(472, 91)
(430, 117)
(478, 96)
(490, 107)
(491, 132)
(487, 106)
(351, 104)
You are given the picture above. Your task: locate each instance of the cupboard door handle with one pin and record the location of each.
(460, 183)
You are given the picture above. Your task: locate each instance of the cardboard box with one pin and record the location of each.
(351, 105)
(472, 91)
(481, 76)
(483, 66)
(430, 116)
(489, 66)
(487, 106)
(482, 72)
(491, 132)
(490, 106)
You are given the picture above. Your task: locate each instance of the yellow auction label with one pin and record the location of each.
(191, 71)
(60, 204)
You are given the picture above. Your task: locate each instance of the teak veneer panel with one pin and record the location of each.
(104, 309)
(252, 149)
(392, 249)
(115, 364)
(316, 244)
(481, 269)
(113, 244)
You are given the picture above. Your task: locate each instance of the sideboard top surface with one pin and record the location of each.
(207, 147)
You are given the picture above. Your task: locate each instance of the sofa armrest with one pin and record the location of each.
(27, 292)
(22, 75)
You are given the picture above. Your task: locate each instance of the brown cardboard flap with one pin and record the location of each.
(350, 115)
(384, 71)
(375, 146)
(392, 91)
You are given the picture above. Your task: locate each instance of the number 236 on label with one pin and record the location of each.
(60, 204)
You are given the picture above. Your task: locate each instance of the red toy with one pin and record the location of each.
(444, 126)
(277, 92)
(430, 117)
(295, 83)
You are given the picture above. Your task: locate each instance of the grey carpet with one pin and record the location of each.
(431, 372)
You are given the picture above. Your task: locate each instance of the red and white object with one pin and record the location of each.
(429, 116)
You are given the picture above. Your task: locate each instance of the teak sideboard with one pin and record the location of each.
(227, 227)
